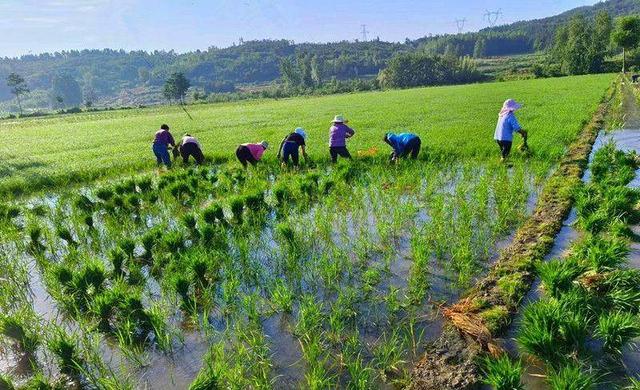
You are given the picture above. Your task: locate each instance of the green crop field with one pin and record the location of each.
(454, 122)
(215, 277)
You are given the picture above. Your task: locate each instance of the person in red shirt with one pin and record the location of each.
(251, 153)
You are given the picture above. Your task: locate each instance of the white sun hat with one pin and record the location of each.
(339, 119)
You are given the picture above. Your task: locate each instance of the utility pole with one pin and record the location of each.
(364, 32)
(492, 17)
(460, 24)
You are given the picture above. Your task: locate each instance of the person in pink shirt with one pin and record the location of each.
(251, 153)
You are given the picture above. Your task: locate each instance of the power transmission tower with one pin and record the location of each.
(492, 17)
(460, 23)
(364, 32)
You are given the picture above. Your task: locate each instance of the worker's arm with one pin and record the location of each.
(304, 153)
(281, 145)
(172, 142)
(350, 132)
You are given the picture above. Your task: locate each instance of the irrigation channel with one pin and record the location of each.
(625, 139)
(352, 262)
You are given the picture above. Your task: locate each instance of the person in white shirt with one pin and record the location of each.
(189, 146)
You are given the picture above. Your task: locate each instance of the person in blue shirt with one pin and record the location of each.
(403, 144)
(507, 125)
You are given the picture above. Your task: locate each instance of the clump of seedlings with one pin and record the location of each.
(22, 327)
(503, 373)
(590, 294)
(64, 347)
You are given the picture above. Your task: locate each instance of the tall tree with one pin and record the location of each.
(175, 88)
(18, 87)
(480, 48)
(626, 35)
(67, 88)
(601, 40)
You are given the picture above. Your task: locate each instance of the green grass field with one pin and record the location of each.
(454, 122)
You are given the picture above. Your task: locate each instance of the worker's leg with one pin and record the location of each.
(286, 153)
(156, 152)
(507, 149)
(415, 148)
(344, 152)
(162, 154)
(334, 154)
(295, 156)
(185, 152)
(198, 155)
(242, 155)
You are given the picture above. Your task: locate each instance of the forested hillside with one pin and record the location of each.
(115, 77)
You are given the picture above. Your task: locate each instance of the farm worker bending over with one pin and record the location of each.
(507, 125)
(161, 142)
(338, 134)
(291, 144)
(251, 153)
(403, 144)
(189, 146)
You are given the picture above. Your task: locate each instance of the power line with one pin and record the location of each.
(364, 32)
(460, 24)
(492, 17)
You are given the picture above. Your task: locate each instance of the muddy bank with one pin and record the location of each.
(489, 307)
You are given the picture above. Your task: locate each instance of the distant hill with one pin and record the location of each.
(107, 77)
(542, 30)
(524, 36)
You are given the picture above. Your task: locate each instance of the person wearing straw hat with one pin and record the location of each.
(507, 125)
(290, 146)
(251, 153)
(189, 146)
(338, 134)
(403, 144)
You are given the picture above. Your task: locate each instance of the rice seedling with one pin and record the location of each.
(6, 382)
(127, 246)
(558, 275)
(572, 377)
(282, 297)
(503, 373)
(237, 207)
(63, 345)
(634, 384)
(550, 333)
(22, 327)
(213, 214)
(388, 354)
(616, 330)
(64, 233)
(310, 316)
(600, 253)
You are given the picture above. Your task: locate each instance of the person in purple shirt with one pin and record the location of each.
(161, 142)
(338, 134)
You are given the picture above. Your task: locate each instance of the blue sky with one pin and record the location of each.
(35, 26)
